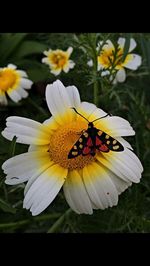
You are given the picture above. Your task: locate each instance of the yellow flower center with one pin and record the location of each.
(58, 58)
(61, 143)
(107, 58)
(8, 78)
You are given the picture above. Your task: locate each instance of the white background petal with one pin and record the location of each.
(121, 75)
(134, 63)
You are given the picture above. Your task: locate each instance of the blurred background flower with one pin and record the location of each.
(14, 83)
(58, 60)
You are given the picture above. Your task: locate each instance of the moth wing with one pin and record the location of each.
(104, 142)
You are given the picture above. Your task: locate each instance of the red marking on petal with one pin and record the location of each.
(98, 141)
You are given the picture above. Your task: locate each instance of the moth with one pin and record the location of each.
(93, 139)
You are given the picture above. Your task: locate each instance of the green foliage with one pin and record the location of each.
(129, 100)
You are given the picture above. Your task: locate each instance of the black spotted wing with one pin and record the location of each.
(84, 146)
(105, 143)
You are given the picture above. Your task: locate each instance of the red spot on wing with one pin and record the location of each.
(98, 141)
(86, 150)
(103, 148)
(89, 142)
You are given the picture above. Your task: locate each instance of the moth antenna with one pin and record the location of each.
(100, 118)
(79, 114)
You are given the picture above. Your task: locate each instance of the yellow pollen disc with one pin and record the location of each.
(108, 141)
(114, 141)
(8, 79)
(80, 146)
(116, 147)
(63, 140)
(58, 58)
(106, 137)
(107, 59)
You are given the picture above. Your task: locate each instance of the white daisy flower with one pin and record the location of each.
(56, 156)
(58, 60)
(14, 83)
(106, 58)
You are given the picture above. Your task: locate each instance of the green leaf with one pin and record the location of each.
(8, 45)
(13, 146)
(30, 47)
(6, 207)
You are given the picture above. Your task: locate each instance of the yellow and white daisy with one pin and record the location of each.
(58, 60)
(106, 59)
(89, 182)
(13, 82)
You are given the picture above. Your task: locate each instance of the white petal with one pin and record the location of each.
(98, 113)
(108, 45)
(132, 45)
(56, 72)
(90, 63)
(121, 42)
(134, 63)
(38, 148)
(124, 164)
(120, 184)
(74, 96)
(46, 60)
(71, 64)
(69, 50)
(99, 186)
(87, 109)
(105, 73)
(26, 130)
(115, 126)
(121, 75)
(76, 194)
(25, 83)
(22, 73)
(12, 66)
(3, 99)
(22, 92)
(66, 68)
(14, 95)
(44, 189)
(22, 167)
(59, 102)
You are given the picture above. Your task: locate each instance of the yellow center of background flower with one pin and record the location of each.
(61, 143)
(107, 59)
(8, 78)
(58, 58)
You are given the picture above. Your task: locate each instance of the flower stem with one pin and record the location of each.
(96, 100)
(58, 223)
